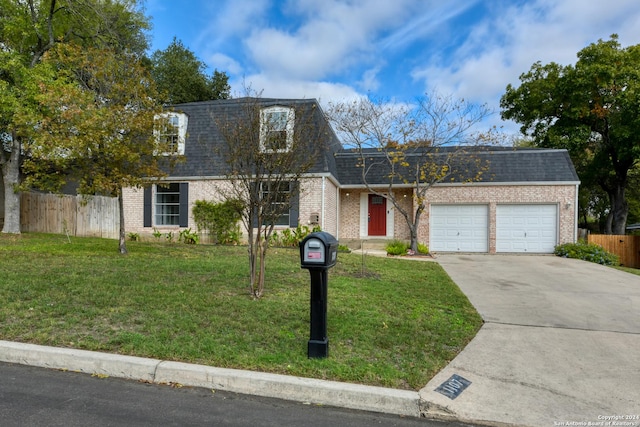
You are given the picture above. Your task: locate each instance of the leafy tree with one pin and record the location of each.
(264, 175)
(181, 76)
(95, 125)
(415, 146)
(591, 108)
(19, 86)
(30, 28)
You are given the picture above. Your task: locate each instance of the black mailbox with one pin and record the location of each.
(318, 253)
(318, 250)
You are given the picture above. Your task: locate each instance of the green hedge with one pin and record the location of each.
(587, 252)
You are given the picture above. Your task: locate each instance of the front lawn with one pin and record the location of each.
(628, 270)
(396, 325)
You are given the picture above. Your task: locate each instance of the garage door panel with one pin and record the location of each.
(526, 228)
(459, 228)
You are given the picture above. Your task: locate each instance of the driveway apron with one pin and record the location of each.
(560, 344)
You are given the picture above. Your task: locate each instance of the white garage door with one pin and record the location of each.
(459, 228)
(526, 228)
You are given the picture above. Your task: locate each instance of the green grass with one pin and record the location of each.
(628, 270)
(396, 325)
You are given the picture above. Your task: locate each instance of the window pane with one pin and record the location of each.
(279, 196)
(277, 121)
(276, 140)
(170, 133)
(167, 206)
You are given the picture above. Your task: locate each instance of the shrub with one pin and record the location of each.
(189, 237)
(423, 249)
(291, 236)
(220, 220)
(587, 252)
(134, 237)
(344, 248)
(397, 247)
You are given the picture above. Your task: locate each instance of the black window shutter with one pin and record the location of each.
(183, 221)
(147, 207)
(294, 210)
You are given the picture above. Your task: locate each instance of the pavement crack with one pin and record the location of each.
(564, 328)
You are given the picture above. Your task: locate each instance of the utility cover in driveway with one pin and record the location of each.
(459, 228)
(526, 228)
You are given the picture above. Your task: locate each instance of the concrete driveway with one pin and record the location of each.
(560, 344)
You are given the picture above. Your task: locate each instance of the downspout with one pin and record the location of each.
(575, 221)
(322, 208)
(338, 212)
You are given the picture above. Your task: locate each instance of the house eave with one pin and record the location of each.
(465, 184)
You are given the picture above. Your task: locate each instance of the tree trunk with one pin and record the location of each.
(123, 242)
(413, 228)
(11, 179)
(413, 243)
(259, 291)
(253, 244)
(619, 210)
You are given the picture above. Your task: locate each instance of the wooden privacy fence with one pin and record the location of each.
(626, 247)
(97, 216)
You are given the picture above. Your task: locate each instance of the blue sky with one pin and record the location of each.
(396, 50)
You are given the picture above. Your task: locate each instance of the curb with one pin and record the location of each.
(304, 390)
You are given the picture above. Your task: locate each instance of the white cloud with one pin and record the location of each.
(370, 81)
(506, 44)
(222, 62)
(231, 19)
(269, 87)
(333, 36)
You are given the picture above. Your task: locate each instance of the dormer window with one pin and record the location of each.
(172, 132)
(276, 129)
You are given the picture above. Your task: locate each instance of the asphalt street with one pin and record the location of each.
(31, 396)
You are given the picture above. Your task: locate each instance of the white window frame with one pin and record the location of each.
(182, 131)
(265, 128)
(266, 189)
(160, 215)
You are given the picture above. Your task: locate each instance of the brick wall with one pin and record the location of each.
(491, 195)
(211, 190)
(134, 205)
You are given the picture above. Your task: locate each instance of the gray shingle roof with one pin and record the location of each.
(497, 164)
(204, 140)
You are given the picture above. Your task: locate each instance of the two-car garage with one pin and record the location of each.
(531, 228)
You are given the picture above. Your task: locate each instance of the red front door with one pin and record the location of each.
(377, 215)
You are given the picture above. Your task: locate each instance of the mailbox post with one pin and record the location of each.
(318, 253)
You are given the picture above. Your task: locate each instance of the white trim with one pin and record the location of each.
(390, 217)
(467, 184)
(288, 127)
(364, 212)
(322, 203)
(364, 216)
(183, 122)
(575, 219)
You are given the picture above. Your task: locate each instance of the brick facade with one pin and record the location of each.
(311, 203)
(564, 196)
(319, 197)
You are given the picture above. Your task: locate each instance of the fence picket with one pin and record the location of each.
(52, 213)
(626, 247)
